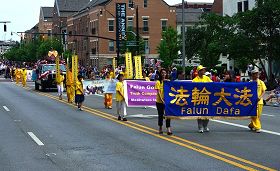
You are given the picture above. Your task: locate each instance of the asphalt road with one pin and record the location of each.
(93, 139)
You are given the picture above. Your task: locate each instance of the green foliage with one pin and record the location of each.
(32, 51)
(169, 46)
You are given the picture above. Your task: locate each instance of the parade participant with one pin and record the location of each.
(201, 78)
(70, 86)
(13, 73)
(181, 75)
(24, 77)
(18, 75)
(120, 100)
(255, 124)
(145, 76)
(108, 97)
(59, 84)
(79, 95)
(160, 102)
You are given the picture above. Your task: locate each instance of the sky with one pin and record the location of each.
(24, 14)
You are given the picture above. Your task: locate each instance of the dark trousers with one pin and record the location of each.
(160, 109)
(202, 123)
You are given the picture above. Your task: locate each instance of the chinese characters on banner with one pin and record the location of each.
(138, 67)
(186, 100)
(140, 93)
(75, 68)
(128, 65)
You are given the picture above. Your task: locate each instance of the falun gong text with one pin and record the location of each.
(190, 100)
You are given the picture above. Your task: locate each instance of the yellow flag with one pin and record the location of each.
(138, 67)
(75, 68)
(128, 65)
(114, 64)
(57, 68)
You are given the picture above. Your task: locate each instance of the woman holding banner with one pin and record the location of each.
(202, 78)
(108, 97)
(121, 106)
(160, 102)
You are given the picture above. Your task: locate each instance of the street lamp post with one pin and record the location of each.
(183, 37)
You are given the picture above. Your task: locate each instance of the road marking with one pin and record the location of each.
(243, 126)
(36, 139)
(142, 116)
(268, 115)
(112, 118)
(6, 108)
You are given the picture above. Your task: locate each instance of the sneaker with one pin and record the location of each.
(119, 118)
(206, 129)
(124, 119)
(258, 131)
(109, 107)
(250, 128)
(200, 130)
(169, 133)
(81, 109)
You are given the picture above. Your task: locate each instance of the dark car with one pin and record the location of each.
(46, 74)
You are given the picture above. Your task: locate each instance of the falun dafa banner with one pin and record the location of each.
(187, 100)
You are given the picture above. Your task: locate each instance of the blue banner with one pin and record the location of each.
(188, 100)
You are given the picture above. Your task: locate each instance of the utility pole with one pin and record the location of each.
(137, 30)
(183, 38)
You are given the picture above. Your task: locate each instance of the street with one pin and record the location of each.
(40, 132)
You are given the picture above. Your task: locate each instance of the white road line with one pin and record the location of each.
(39, 142)
(268, 115)
(6, 108)
(243, 126)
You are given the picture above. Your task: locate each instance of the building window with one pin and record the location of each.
(130, 4)
(239, 6)
(146, 45)
(93, 51)
(49, 32)
(111, 46)
(163, 25)
(145, 24)
(130, 23)
(111, 25)
(145, 3)
(246, 6)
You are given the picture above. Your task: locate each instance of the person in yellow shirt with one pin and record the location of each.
(79, 95)
(18, 75)
(120, 100)
(24, 77)
(145, 76)
(202, 78)
(70, 86)
(108, 97)
(59, 84)
(255, 124)
(160, 102)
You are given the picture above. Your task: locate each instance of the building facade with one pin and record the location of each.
(45, 20)
(98, 19)
(231, 7)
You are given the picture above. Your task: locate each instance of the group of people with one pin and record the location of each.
(254, 125)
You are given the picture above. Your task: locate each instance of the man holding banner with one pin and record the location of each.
(255, 120)
(202, 123)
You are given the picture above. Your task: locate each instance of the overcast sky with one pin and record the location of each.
(24, 14)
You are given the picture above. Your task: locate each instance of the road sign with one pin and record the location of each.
(131, 43)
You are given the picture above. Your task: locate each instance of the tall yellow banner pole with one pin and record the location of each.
(138, 67)
(128, 65)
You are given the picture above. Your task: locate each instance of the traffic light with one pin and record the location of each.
(5, 27)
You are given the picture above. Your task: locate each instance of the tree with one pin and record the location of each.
(169, 46)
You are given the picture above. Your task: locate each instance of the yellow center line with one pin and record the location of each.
(171, 139)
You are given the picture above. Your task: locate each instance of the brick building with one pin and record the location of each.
(98, 18)
(45, 20)
(63, 9)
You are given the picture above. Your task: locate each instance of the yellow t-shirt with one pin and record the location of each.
(79, 88)
(24, 74)
(147, 79)
(159, 86)
(60, 79)
(119, 91)
(204, 79)
(261, 89)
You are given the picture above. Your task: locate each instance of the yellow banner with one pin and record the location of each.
(128, 65)
(75, 68)
(114, 64)
(57, 68)
(138, 67)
